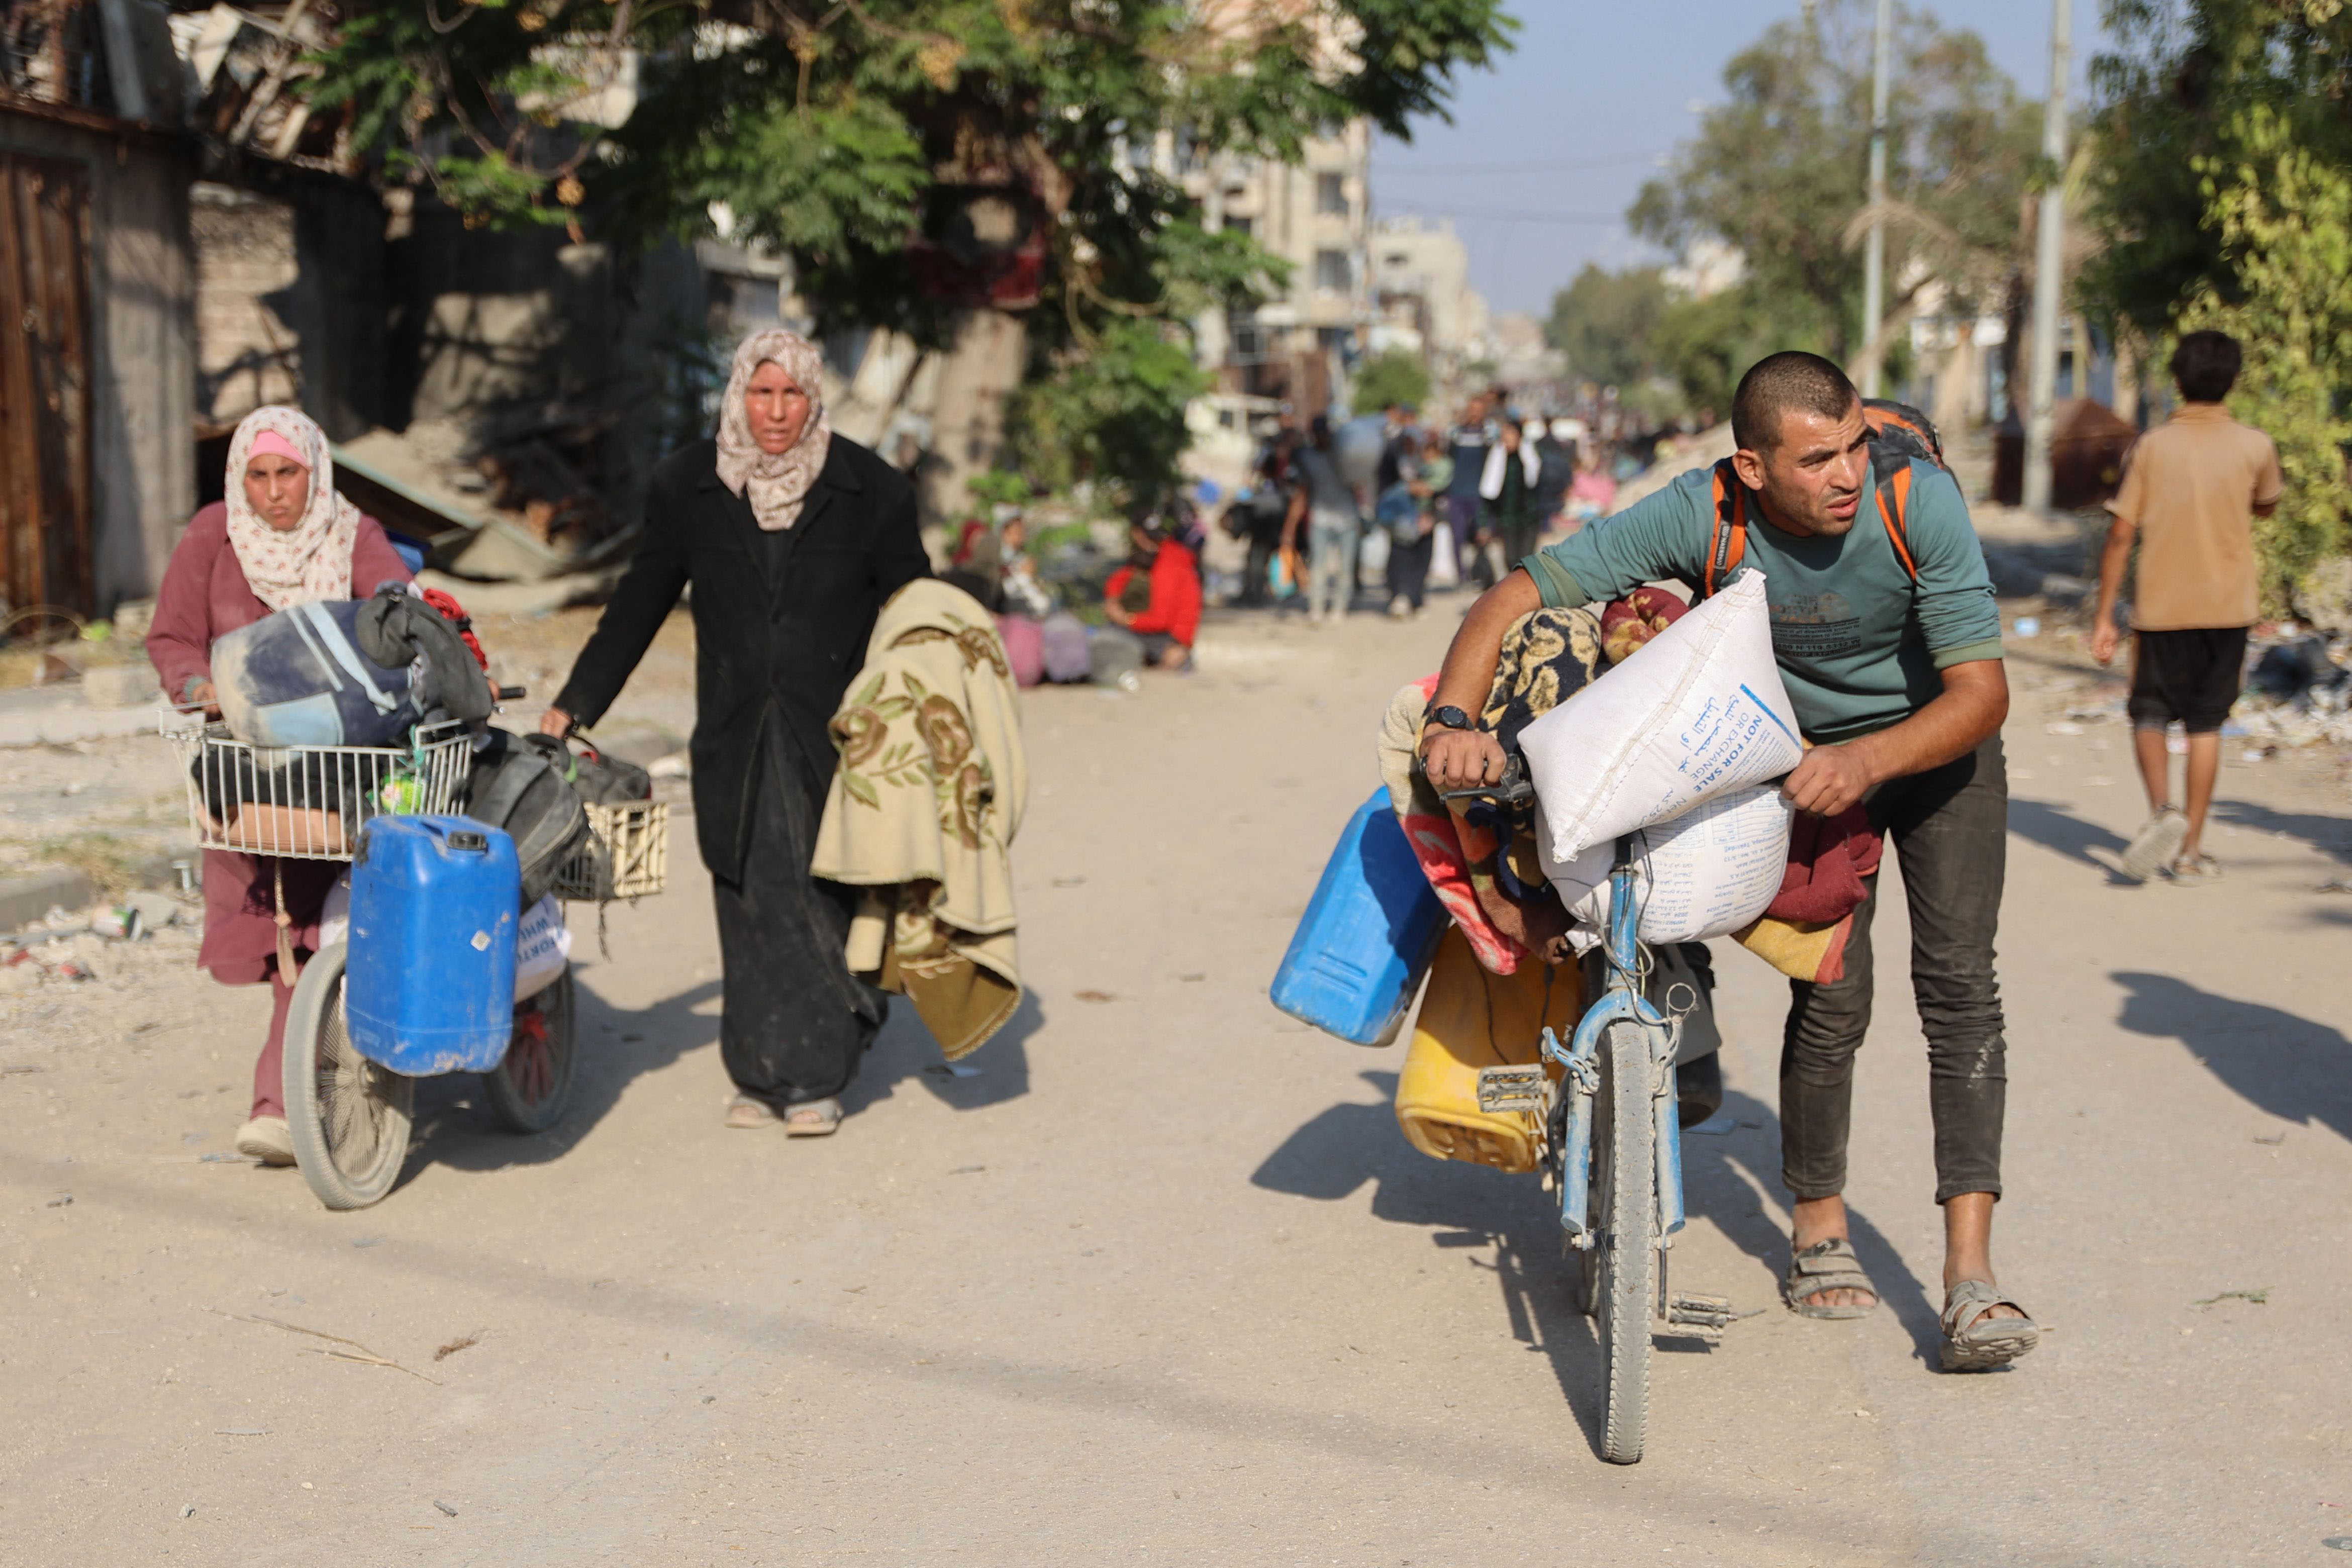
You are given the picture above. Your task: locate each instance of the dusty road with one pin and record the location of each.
(1163, 1282)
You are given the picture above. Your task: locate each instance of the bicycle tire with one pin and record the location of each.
(347, 1116)
(529, 1093)
(1626, 1253)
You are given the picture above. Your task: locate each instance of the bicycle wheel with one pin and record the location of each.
(347, 1117)
(532, 1082)
(1623, 1254)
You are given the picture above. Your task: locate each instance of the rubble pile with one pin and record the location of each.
(2299, 692)
(113, 944)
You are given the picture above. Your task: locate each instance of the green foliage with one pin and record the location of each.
(1113, 414)
(2183, 86)
(828, 129)
(1604, 320)
(1393, 375)
(997, 487)
(1779, 170)
(2282, 217)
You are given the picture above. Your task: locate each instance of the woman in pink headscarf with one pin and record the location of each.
(282, 537)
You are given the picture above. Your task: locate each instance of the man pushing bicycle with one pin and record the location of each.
(1888, 640)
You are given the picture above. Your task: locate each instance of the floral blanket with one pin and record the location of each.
(923, 809)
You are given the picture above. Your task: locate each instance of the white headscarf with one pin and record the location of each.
(777, 481)
(312, 559)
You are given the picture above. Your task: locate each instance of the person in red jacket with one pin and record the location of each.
(1156, 595)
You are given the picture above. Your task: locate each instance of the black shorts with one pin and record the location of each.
(2192, 676)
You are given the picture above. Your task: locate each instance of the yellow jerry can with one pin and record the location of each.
(1471, 1019)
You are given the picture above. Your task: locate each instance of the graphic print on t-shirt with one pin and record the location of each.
(1815, 625)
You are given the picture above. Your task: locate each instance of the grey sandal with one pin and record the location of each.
(1975, 1343)
(813, 1117)
(747, 1112)
(1826, 1265)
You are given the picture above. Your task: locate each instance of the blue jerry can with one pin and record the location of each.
(429, 986)
(1367, 936)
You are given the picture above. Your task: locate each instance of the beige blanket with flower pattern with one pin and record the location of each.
(922, 811)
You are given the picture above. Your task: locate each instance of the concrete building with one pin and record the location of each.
(1421, 294)
(1301, 345)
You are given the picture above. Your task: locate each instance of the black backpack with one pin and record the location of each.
(517, 784)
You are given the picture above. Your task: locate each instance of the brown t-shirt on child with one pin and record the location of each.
(2191, 485)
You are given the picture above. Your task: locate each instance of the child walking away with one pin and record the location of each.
(2191, 489)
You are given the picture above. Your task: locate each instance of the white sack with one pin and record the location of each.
(542, 947)
(335, 913)
(1697, 713)
(1373, 558)
(1707, 873)
(1444, 572)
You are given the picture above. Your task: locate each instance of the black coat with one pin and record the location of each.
(796, 642)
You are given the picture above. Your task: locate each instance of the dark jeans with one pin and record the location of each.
(1408, 568)
(793, 1021)
(1519, 542)
(1262, 548)
(1949, 827)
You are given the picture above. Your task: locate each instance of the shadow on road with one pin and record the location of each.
(2331, 836)
(1333, 1155)
(1722, 1175)
(905, 1051)
(455, 1126)
(2069, 835)
(2295, 1070)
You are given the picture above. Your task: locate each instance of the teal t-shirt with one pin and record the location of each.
(1858, 644)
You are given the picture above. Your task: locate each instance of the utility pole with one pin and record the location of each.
(1874, 258)
(2048, 252)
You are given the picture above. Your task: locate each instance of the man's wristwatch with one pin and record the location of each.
(1451, 717)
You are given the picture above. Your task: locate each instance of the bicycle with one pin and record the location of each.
(1613, 1146)
(348, 1115)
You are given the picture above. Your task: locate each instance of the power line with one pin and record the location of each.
(1525, 216)
(1540, 166)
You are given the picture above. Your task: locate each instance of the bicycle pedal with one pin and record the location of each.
(1695, 1310)
(1510, 1089)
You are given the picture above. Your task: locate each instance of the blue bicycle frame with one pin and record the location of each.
(1622, 1001)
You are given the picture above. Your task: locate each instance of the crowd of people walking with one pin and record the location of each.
(1337, 512)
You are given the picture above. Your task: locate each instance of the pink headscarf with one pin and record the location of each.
(777, 482)
(312, 559)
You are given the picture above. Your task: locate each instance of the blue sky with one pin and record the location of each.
(1570, 124)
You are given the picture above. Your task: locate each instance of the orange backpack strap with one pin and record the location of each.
(1728, 543)
(1893, 489)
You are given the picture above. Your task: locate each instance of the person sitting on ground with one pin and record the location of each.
(283, 537)
(1891, 653)
(1156, 595)
(2192, 487)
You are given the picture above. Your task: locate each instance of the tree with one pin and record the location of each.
(899, 150)
(1393, 375)
(1779, 170)
(1602, 322)
(2282, 218)
(2182, 88)
(2221, 189)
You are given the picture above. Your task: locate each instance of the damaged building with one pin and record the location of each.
(187, 239)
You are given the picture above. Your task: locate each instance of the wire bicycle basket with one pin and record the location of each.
(308, 802)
